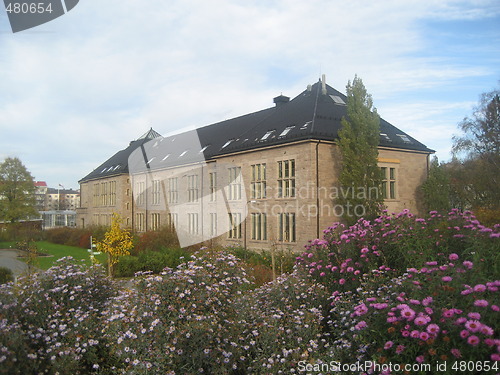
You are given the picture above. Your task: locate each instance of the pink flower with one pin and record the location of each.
(464, 333)
(342, 281)
(468, 264)
(433, 328)
(408, 313)
(421, 320)
(474, 315)
(405, 333)
(424, 336)
(427, 301)
(456, 353)
(495, 357)
(461, 320)
(473, 325)
(420, 359)
(481, 303)
(448, 313)
(362, 324)
(485, 330)
(388, 345)
(400, 349)
(453, 256)
(473, 340)
(446, 278)
(495, 308)
(415, 334)
(479, 288)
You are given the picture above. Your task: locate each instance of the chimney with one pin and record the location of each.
(323, 85)
(280, 100)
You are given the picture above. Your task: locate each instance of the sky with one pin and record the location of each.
(78, 89)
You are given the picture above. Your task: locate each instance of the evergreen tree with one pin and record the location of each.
(360, 176)
(17, 191)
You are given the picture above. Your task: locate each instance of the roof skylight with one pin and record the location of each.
(204, 148)
(267, 135)
(303, 127)
(166, 157)
(227, 143)
(286, 131)
(386, 137)
(183, 153)
(337, 99)
(404, 137)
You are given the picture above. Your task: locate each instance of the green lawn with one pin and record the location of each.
(56, 252)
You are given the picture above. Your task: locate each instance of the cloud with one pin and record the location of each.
(78, 89)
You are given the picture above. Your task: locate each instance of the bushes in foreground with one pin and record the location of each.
(346, 300)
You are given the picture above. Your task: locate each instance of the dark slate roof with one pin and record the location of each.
(312, 115)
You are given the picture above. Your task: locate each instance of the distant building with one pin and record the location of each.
(62, 199)
(40, 194)
(277, 167)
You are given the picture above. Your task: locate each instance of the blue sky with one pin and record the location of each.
(76, 90)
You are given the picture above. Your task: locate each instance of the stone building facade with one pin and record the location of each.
(264, 180)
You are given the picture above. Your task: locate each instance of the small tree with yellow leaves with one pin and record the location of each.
(117, 242)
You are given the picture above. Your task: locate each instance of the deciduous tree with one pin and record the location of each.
(17, 191)
(117, 242)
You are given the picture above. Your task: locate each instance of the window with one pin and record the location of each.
(234, 185)
(213, 224)
(192, 188)
(193, 223)
(286, 227)
(155, 221)
(227, 143)
(286, 178)
(172, 220)
(234, 226)
(173, 194)
(112, 193)
(267, 135)
(95, 198)
(404, 138)
(286, 131)
(140, 222)
(212, 185)
(156, 191)
(388, 183)
(141, 191)
(259, 227)
(258, 184)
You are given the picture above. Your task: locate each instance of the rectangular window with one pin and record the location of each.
(155, 221)
(95, 199)
(156, 192)
(286, 227)
(212, 185)
(286, 178)
(172, 220)
(213, 224)
(388, 182)
(141, 191)
(193, 223)
(173, 193)
(259, 227)
(258, 183)
(234, 184)
(192, 188)
(234, 226)
(112, 193)
(140, 222)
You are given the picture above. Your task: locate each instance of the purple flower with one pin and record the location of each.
(479, 288)
(446, 278)
(400, 349)
(474, 315)
(453, 256)
(495, 308)
(420, 359)
(427, 301)
(464, 333)
(473, 325)
(456, 353)
(362, 324)
(481, 303)
(433, 328)
(424, 336)
(388, 345)
(485, 330)
(473, 340)
(408, 313)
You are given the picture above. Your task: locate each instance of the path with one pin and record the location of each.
(9, 258)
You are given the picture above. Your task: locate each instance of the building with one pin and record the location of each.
(40, 194)
(267, 179)
(61, 199)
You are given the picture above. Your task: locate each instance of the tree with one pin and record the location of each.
(478, 150)
(17, 191)
(360, 176)
(436, 189)
(117, 242)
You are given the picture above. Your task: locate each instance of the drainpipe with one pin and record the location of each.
(317, 189)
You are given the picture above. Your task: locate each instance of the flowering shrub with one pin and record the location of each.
(441, 302)
(51, 321)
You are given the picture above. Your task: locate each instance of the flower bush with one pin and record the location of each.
(50, 322)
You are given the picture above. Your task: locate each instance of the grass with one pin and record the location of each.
(55, 252)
